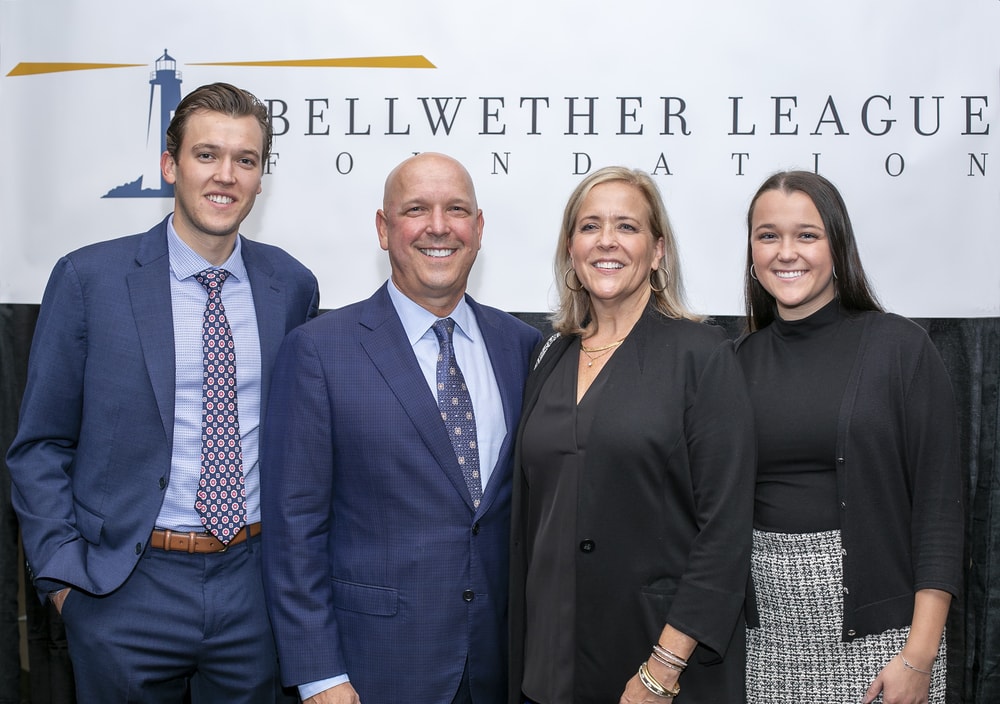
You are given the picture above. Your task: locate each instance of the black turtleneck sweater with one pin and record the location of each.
(796, 372)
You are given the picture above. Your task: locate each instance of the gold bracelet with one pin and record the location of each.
(653, 685)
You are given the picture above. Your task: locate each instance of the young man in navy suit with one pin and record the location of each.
(387, 513)
(138, 495)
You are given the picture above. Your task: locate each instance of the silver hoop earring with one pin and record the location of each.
(835, 272)
(753, 274)
(653, 275)
(569, 271)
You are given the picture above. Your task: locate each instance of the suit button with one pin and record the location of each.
(468, 595)
(163, 482)
(475, 528)
(852, 633)
(138, 548)
(587, 546)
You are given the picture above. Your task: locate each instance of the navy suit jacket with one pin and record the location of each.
(375, 561)
(91, 459)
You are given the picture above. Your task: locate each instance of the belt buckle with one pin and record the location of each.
(225, 546)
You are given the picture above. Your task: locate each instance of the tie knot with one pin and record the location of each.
(444, 328)
(212, 279)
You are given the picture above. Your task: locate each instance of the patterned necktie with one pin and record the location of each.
(456, 409)
(221, 498)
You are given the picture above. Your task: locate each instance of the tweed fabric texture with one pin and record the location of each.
(796, 655)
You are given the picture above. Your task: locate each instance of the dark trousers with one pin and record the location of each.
(181, 623)
(51, 678)
(464, 693)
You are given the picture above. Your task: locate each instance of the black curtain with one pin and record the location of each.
(16, 325)
(971, 352)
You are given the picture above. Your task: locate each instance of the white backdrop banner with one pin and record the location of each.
(895, 101)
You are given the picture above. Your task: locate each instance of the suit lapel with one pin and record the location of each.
(149, 294)
(270, 307)
(536, 378)
(385, 343)
(507, 369)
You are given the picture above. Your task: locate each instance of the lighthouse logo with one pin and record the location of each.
(164, 95)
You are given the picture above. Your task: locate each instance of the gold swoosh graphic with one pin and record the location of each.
(415, 61)
(33, 68)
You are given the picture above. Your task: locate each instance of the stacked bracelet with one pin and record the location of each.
(651, 683)
(668, 658)
(908, 666)
(666, 663)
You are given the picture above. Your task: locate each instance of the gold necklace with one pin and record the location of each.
(601, 351)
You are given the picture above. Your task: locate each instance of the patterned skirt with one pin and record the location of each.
(796, 654)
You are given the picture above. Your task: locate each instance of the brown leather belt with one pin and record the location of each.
(198, 542)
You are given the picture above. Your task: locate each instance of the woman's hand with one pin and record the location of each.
(637, 693)
(905, 685)
(681, 645)
(899, 685)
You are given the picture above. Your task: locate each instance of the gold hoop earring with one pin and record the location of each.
(753, 274)
(652, 279)
(569, 271)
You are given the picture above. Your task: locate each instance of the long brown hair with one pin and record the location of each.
(850, 283)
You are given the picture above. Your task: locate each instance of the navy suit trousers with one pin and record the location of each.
(179, 621)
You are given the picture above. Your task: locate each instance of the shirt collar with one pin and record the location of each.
(185, 262)
(417, 320)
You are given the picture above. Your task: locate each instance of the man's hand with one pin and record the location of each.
(341, 694)
(57, 598)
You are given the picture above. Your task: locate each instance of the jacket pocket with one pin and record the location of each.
(90, 524)
(656, 599)
(365, 599)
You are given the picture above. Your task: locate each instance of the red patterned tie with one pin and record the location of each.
(221, 498)
(455, 403)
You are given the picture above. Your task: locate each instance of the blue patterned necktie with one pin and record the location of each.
(221, 499)
(456, 409)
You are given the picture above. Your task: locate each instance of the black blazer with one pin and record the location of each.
(665, 507)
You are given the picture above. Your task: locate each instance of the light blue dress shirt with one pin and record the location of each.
(474, 360)
(187, 300)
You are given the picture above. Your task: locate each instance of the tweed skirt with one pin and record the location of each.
(796, 655)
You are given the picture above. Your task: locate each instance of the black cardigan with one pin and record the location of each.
(899, 480)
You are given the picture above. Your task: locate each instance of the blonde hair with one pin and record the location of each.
(573, 312)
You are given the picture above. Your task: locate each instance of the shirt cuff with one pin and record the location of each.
(311, 689)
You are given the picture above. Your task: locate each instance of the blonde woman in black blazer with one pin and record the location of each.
(633, 479)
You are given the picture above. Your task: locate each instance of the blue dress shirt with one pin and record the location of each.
(187, 300)
(474, 360)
